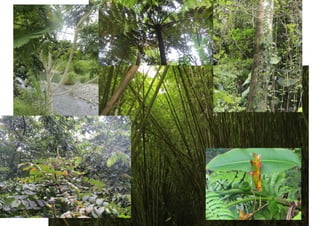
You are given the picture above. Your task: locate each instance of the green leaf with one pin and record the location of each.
(246, 92)
(222, 95)
(96, 183)
(216, 209)
(128, 3)
(298, 216)
(77, 161)
(273, 207)
(275, 60)
(273, 160)
(35, 171)
(111, 160)
(21, 39)
(115, 156)
(248, 80)
(46, 168)
(15, 203)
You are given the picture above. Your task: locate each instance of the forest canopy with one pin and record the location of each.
(155, 32)
(68, 167)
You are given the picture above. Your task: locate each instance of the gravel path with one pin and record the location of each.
(81, 100)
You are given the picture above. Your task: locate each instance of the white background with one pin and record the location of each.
(311, 39)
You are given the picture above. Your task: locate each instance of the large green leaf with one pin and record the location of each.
(273, 160)
(21, 38)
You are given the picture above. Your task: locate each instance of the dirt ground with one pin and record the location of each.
(82, 99)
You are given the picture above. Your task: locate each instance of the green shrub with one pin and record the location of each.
(30, 103)
(83, 79)
(71, 78)
(87, 77)
(82, 66)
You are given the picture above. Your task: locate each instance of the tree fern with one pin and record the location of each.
(216, 209)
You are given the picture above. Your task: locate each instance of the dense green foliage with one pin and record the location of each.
(230, 188)
(65, 167)
(234, 34)
(166, 122)
(173, 122)
(49, 46)
(173, 111)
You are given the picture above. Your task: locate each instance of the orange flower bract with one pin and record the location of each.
(256, 171)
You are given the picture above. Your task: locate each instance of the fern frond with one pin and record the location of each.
(216, 209)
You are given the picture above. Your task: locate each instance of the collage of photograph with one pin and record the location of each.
(156, 113)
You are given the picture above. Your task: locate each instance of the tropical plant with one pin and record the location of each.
(265, 76)
(39, 31)
(156, 32)
(173, 122)
(65, 167)
(254, 183)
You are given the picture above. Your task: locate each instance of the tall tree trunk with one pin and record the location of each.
(257, 59)
(261, 68)
(161, 44)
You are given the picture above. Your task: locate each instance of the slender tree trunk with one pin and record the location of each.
(257, 59)
(161, 45)
(264, 50)
(47, 63)
(269, 53)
